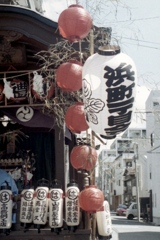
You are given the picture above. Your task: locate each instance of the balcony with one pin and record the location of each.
(128, 189)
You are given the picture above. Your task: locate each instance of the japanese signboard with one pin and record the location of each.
(56, 208)
(26, 208)
(41, 205)
(72, 206)
(5, 209)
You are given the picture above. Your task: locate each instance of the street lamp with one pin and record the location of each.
(108, 178)
(137, 179)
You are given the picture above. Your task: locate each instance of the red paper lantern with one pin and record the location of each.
(20, 90)
(1, 92)
(83, 157)
(69, 76)
(74, 23)
(91, 199)
(75, 118)
(46, 91)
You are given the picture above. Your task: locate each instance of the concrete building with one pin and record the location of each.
(121, 171)
(122, 187)
(153, 152)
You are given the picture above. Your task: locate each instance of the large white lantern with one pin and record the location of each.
(109, 80)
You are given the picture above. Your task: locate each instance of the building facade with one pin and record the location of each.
(153, 151)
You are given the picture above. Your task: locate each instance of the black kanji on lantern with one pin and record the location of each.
(117, 76)
(120, 98)
(119, 93)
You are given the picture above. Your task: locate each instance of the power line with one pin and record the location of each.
(140, 45)
(138, 19)
(132, 39)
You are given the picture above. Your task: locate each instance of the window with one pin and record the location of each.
(150, 171)
(143, 133)
(152, 139)
(155, 200)
(129, 164)
(155, 104)
(135, 133)
(133, 182)
(123, 146)
(111, 187)
(105, 153)
(134, 206)
(129, 183)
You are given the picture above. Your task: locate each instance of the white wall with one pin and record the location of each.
(153, 155)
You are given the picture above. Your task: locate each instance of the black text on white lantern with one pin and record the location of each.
(56, 208)
(72, 205)
(104, 222)
(5, 207)
(40, 206)
(109, 80)
(26, 207)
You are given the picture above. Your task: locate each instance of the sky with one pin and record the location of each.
(135, 26)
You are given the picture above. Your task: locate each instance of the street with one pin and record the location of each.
(124, 229)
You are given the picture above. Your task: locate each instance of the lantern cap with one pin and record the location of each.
(43, 183)
(108, 50)
(91, 186)
(56, 184)
(72, 183)
(75, 5)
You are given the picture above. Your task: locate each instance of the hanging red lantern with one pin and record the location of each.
(1, 92)
(91, 199)
(109, 86)
(75, 118)
(83, 157)
(74, 23)
(69, 76)
(20, 90)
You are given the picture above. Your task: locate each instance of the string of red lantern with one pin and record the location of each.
(74, 24)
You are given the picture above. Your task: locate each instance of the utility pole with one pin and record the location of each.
(137, 179)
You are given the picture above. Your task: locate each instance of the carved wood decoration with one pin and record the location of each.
(11, 53)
